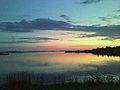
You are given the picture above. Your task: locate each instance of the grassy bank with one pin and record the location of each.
(29, 81)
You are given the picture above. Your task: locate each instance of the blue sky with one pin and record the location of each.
(76, 10)
(59, 24)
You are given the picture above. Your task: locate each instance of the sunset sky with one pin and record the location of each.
(59, 24)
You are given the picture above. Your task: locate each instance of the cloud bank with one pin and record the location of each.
(29, 26)
(110, 31)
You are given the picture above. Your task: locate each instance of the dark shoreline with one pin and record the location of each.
(9, 52)
(109, 51)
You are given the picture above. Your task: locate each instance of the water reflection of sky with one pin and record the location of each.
(59, 62)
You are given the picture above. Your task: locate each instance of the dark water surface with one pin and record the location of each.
(59, 62)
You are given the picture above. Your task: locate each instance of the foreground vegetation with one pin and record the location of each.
(70, 86)
(29, 81)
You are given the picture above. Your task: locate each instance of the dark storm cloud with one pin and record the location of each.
(85, 2)
(29, 26)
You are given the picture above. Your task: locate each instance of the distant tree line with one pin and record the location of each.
(109, 51)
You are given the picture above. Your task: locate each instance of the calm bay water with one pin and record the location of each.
(59, 62)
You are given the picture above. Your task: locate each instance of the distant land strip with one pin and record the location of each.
(109, 51)
(8, 52)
